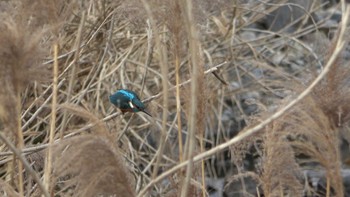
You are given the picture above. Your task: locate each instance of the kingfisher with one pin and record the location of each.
(127, 101)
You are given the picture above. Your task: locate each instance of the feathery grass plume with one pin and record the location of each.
(43, 12)
(81, 113)
(332, 95)
(321, 116)
(20, 55)
(280, 174)
(91, 166)
(245, 167)
(313, 135)
(51, 14)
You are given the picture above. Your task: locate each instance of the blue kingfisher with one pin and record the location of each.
(127, 101)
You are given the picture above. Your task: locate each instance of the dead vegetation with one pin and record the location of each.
(229, 99)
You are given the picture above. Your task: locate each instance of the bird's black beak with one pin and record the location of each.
(144, 111)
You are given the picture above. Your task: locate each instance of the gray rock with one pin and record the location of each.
(286, 14)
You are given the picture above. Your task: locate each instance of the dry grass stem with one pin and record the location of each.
(48, 161)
